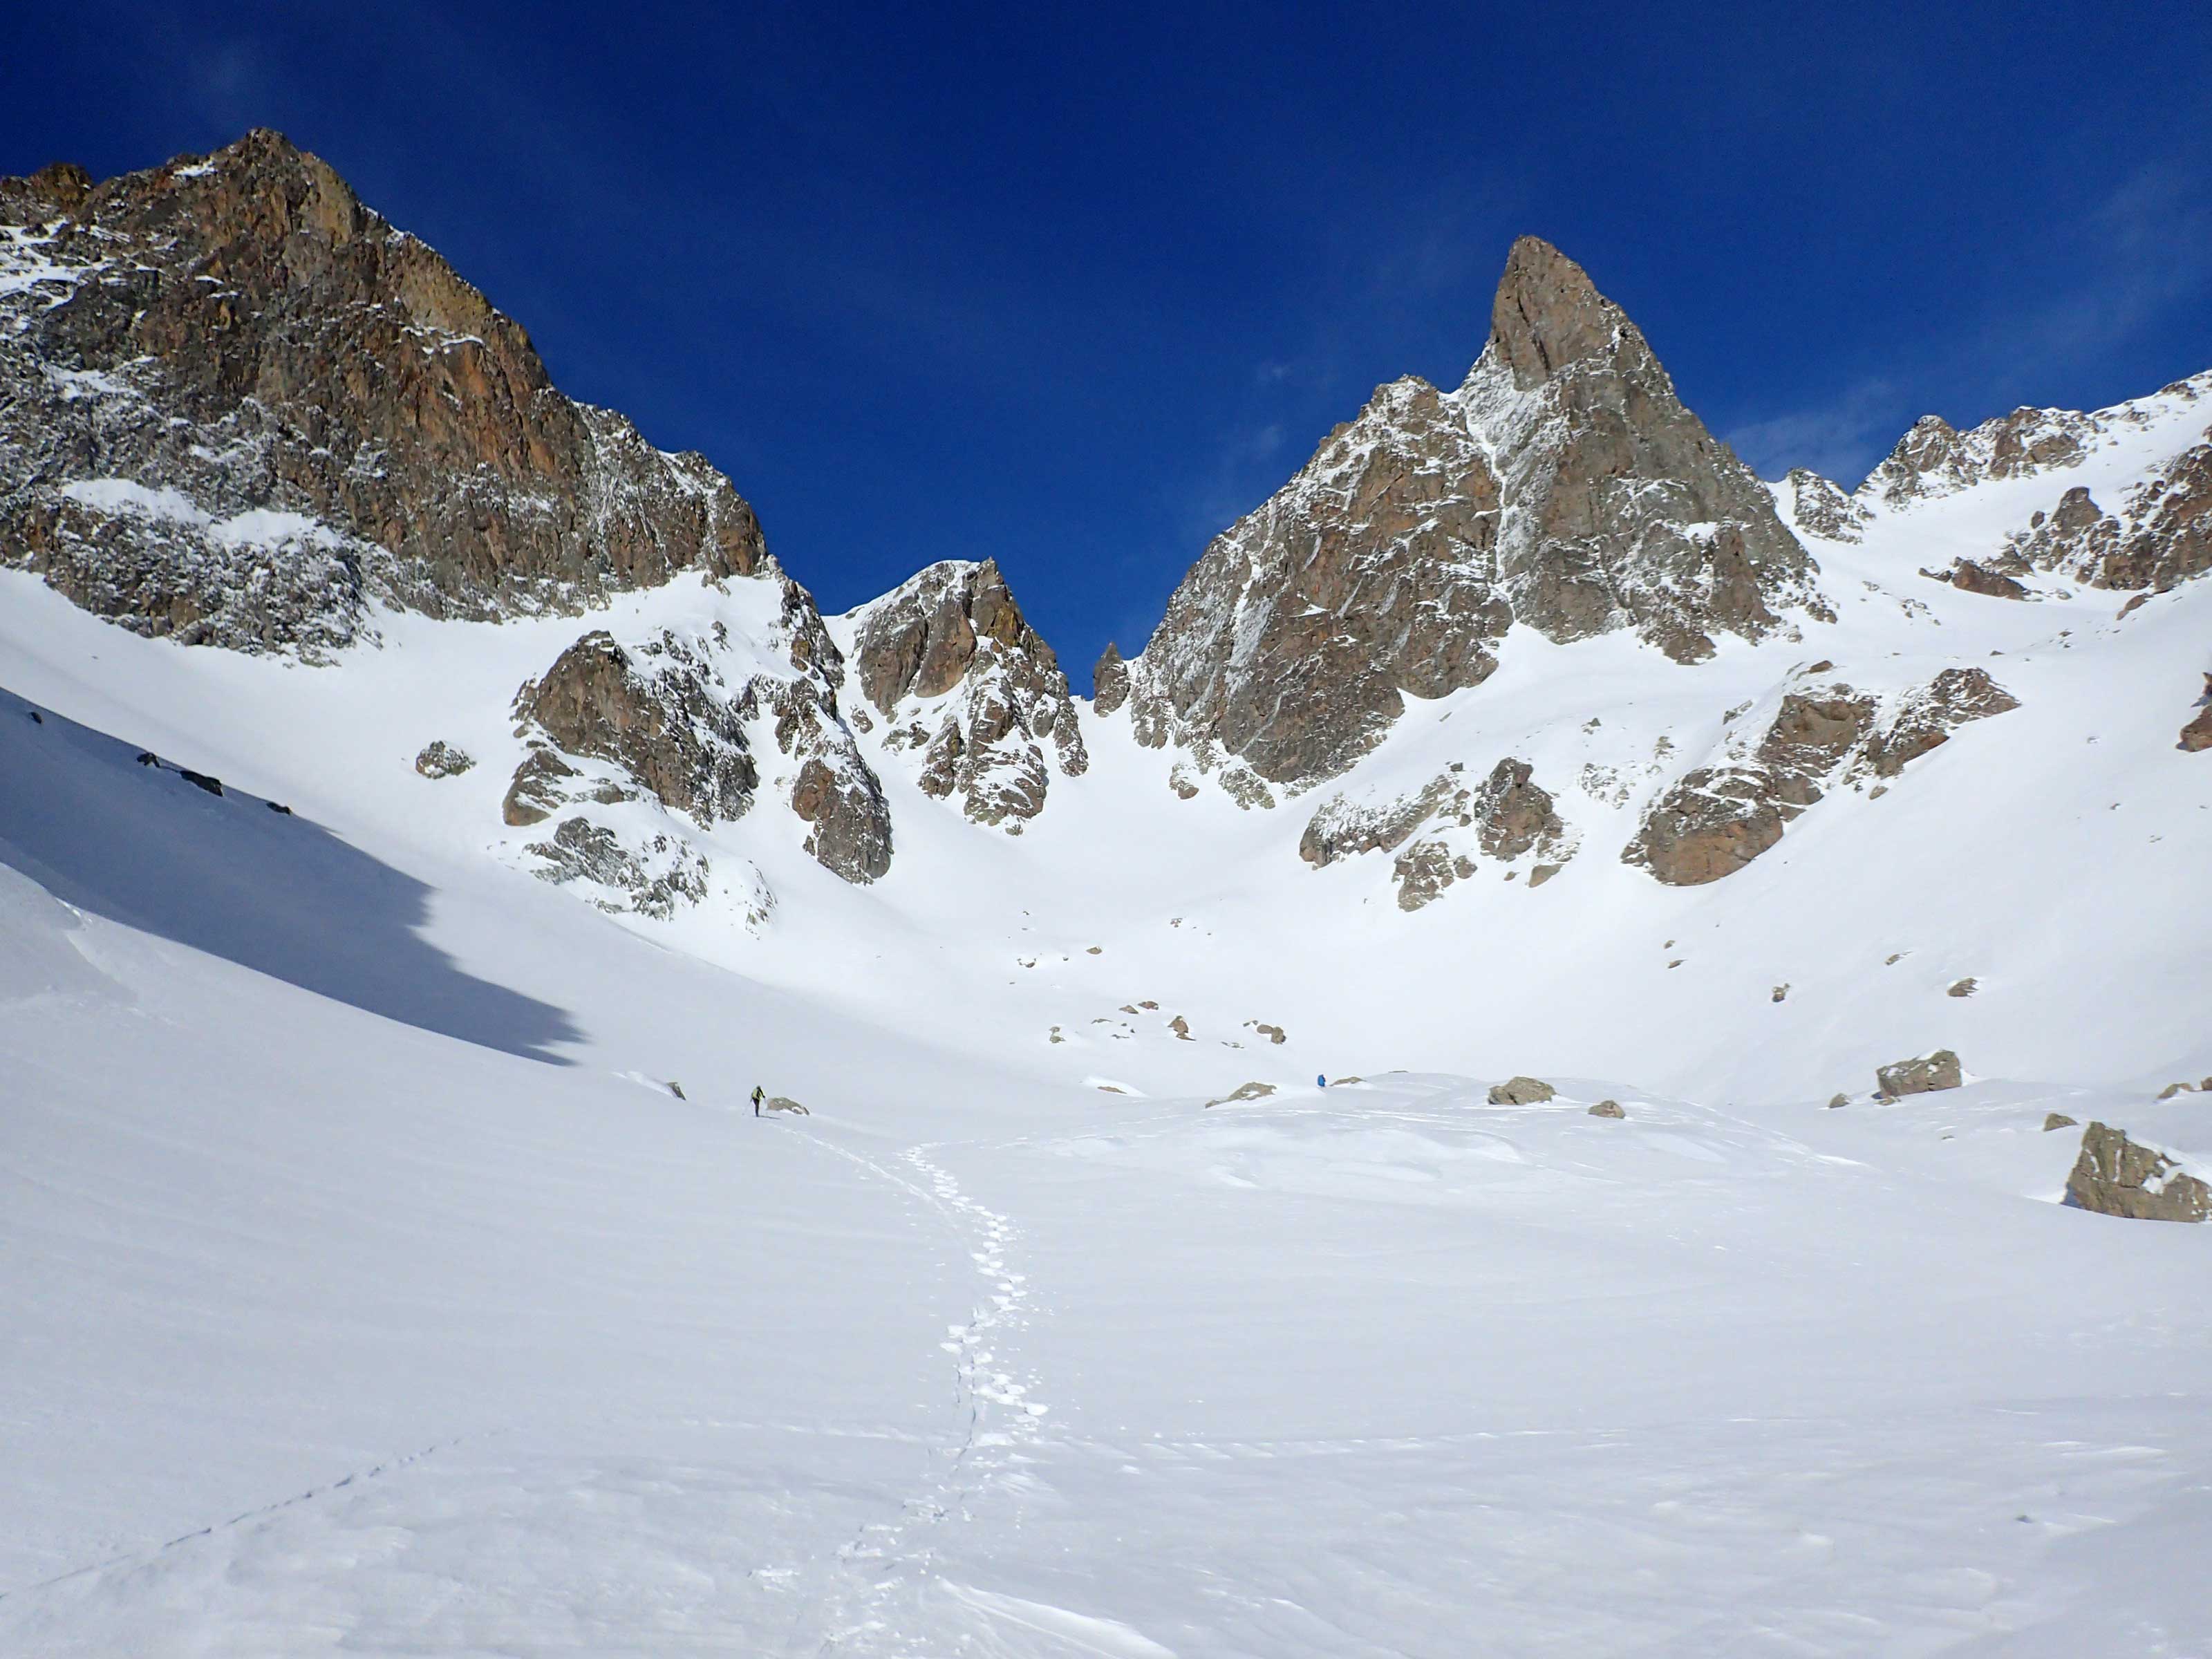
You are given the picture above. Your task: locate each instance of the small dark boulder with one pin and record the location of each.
(200, 780)
(2059, 1121)
(1607, 1109)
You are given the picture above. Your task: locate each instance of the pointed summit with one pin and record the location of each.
(1548, 314)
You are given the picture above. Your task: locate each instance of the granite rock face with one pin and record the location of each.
(963, 681)
(1562, 486)
(236, 406)
(2115, 1175)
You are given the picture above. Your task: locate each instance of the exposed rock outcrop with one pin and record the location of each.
(1720, 816)
(1508, 817)
(1607, 1109)
(1935, 459)
(1929, 714)
(2115, 1175)
(659, 718)
(440, 759)
(1924, 1075)
(661, 713)
(963, 680)
(2160, 536)
(1109, 681)
(2197, 736)
(236, 406)
(1814, 506)
(1564, 485)
(652, 878)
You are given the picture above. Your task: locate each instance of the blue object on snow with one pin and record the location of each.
(1321, 1082)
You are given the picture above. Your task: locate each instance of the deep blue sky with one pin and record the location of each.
(1075, 286)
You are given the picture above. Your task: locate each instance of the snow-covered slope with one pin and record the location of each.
(335, 1326)
(391, 1264)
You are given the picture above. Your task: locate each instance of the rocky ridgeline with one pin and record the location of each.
(1436, 830)
(236, 406)
(969, 689)
(1562, 486)
(2161, 535)
(1935, 459)
(2158, 535)
(1724, 812)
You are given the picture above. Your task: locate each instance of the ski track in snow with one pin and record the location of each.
(880, 1574)
(375, 1471)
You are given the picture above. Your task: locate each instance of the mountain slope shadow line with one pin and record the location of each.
(143, 844)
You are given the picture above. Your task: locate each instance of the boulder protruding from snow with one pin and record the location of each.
(1521, 1091)
(1925, 1074)
(2115, 1175)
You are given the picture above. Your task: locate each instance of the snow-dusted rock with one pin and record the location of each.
(236, 404)
(1926, 1074)
(965, 683)
(2115, 1175)
(2161, 535)
(1935, 459)
(1563, 485)
(1507, 816)
(1814, 506)
(1722, 813)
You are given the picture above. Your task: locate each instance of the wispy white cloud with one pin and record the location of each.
(2150, 242)
(1840, 439)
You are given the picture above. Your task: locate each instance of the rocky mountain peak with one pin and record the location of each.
(1548, 315)
(964, 682)
(237, 406)
(1564, 486)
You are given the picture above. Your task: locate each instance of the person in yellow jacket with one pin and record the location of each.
(759, 1094)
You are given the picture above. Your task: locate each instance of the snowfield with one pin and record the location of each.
(369, 1286)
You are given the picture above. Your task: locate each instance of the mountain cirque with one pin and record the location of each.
(239, 409)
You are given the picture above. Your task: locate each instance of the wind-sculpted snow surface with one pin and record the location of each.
(240, 406)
